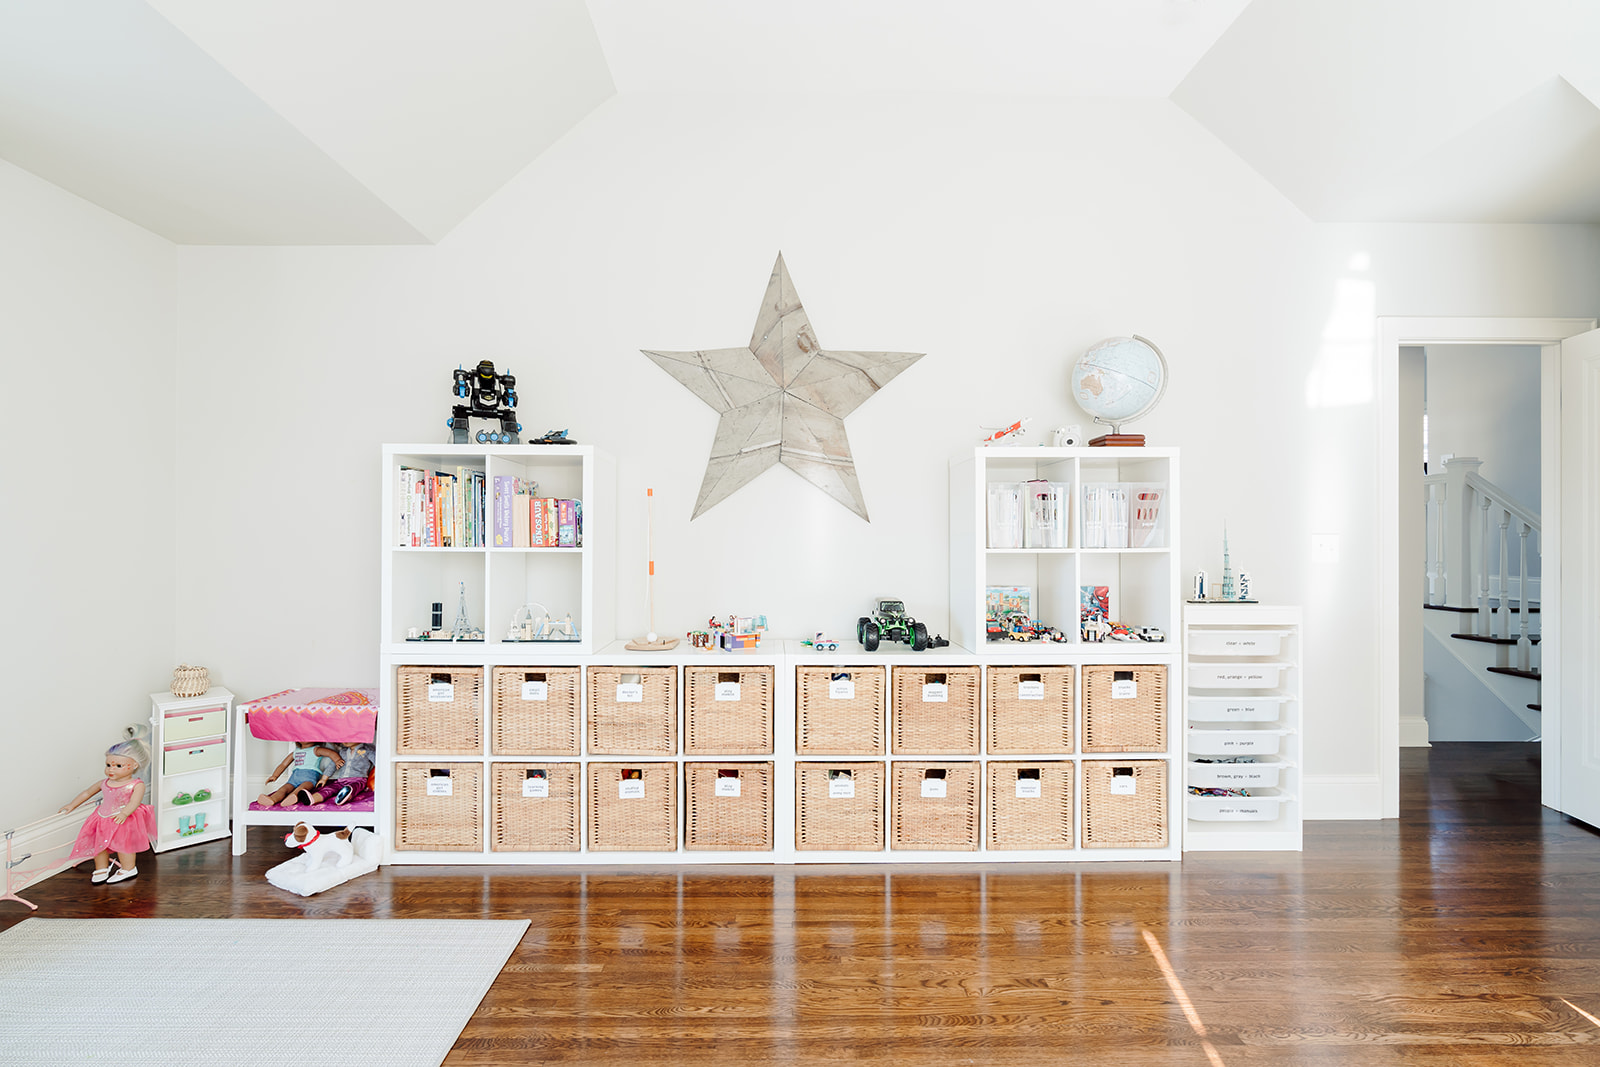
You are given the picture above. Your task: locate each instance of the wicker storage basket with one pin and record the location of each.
(1029, 805)
(946, 823)
(1119, 815)
(190, 681)
(437, 821)
(1030, 709)
(439, 710)
(534, 711)
(644, 727)
(644, 823)
(824, 820)
(947, 727)
(1113, 723)
(715, 820)
(520, 820)
(727, 722)
(839, 720)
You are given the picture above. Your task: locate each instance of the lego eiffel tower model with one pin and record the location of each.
(1227, 568)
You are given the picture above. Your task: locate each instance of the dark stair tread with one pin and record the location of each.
(1514, 608)
(1534, 707)
(1515, 672)
(1532, 639)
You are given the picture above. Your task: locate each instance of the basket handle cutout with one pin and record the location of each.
(727, 676)
(631, 679)
(727, 772)
(1122, 676)
(1031, 678)
(441, 678)
(533, 676)
(1027, 774)
(935, 773)
(934, 679)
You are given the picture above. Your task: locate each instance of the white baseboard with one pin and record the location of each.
(1343, 796)
(1414, 732)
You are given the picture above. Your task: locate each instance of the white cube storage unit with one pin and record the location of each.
(1242, 701)
(781, 753)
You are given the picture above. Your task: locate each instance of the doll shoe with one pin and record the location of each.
(183, 798)
(201, 796)
(123, 875)
(101, 875)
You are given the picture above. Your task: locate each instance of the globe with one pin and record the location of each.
(1119, 380)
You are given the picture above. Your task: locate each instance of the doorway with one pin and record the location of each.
(1400, 576)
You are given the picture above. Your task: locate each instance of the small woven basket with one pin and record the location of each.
(190, 681)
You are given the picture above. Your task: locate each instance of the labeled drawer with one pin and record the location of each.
(1235, 675)
(1234, 742)
(195, 722)
(200, 756)
(1235, 642)
(1236, 809)
(1252, 775)
(1236, 709)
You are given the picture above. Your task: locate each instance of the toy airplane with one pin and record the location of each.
(1016, 429)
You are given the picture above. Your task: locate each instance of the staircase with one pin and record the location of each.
(1481, 607)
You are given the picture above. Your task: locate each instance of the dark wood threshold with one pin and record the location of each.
(1515, 672)
(1532, 639)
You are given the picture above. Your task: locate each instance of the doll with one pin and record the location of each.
(352, 778)
(311, 762)
(120, 823)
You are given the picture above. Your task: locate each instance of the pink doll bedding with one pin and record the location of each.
(329, 715)
(338, 715)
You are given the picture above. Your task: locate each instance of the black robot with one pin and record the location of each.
(485, 395)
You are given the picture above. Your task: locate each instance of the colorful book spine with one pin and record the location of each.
(504, 498)
(566, 524)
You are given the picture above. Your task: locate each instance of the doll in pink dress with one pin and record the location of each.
(120, 823)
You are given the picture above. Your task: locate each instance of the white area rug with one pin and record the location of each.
(217, 992)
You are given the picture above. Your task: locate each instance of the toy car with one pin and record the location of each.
(890, 621)
(821, 644)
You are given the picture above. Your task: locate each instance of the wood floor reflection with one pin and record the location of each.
(1467, 932)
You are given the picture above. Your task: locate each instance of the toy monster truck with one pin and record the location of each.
(889, 621)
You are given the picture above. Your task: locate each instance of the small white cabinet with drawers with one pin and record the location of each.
(1242, 700)
(189, 767)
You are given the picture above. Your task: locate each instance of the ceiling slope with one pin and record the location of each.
(1412, 110)
(1138, 48)
(291, 123)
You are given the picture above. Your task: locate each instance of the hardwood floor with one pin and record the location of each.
(1466, 932)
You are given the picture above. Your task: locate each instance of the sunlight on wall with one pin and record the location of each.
(1341, 376)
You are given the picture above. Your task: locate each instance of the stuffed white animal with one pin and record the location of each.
(318, 846)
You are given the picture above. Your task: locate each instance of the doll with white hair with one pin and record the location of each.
(121, 823)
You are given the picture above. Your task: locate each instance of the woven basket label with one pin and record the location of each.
(1125, 689)
(842, 689)
(535, 690)
(841, 785)
(936, 693)
(632, 785)
(440, 784)
(1124, 785)
(630, 692)
(933, 787)
(441, 692)
(727, 690)
(1030, 690)
(536, 785)
(727, 783)
(1029, 789)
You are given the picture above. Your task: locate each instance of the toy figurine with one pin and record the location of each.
(553, 437)
(311, 761)
(120, 823)
(1016, 429)
(487, 395)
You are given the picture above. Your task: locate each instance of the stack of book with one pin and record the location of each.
(524, 519)
(439, 509)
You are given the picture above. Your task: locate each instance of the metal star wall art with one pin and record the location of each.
(783, 399)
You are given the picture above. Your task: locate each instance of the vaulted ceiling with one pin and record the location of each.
(389, 121)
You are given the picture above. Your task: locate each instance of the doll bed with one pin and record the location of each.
(329, 715)
(297, 875)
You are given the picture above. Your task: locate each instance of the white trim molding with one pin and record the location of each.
(1343, 796)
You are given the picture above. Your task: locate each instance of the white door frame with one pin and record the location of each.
(1396, 603)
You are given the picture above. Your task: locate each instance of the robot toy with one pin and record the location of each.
(483, 394)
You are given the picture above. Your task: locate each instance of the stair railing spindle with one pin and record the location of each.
(1482, 629)
(1524, 645)
(1505, 575)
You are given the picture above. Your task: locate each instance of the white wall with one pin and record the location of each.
(87, 336)
(1483, 401)
(1000, 237)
